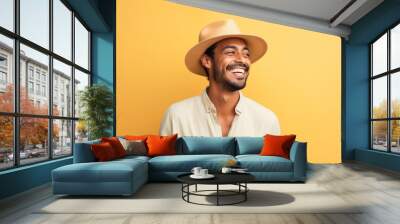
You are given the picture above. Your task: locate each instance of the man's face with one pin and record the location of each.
(231, 64)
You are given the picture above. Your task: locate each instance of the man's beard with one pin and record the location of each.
(219, 77)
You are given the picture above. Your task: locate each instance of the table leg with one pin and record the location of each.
(188, 190)
(217, 194)
(182, 189)
(245, 193)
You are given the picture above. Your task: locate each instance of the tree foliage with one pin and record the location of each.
(33, 131)
(97, 104)
(380, 127)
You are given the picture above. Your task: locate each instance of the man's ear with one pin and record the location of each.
(206, 61)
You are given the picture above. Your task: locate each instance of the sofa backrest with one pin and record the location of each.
(249, 145)
(83, 152)
(205, 145)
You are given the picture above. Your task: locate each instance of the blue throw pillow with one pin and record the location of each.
(83, 152)
(206, 145)
(249, 145)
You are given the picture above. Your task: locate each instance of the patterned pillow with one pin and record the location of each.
(134, 147)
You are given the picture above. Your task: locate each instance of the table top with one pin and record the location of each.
(220, 178)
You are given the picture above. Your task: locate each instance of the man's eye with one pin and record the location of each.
(230, 52)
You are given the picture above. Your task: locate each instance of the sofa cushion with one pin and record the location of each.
(277, 145)
(133, 158)
(134, 147)
(103, 152)
(191, 145)
(185, 163)
(111, 171)
(116, 145)
(83, 152)
(257, 163)
(249, 145)
(161, 145)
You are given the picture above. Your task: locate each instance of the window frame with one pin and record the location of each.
(16, 115)
(388, 74)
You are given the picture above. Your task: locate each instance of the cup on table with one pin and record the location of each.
(226, 170)
(203, 172)
(196, 171)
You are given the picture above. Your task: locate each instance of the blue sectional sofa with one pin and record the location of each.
(125, 176)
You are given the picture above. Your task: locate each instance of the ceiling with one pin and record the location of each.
(326, 16)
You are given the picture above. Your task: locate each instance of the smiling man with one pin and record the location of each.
(224, 55)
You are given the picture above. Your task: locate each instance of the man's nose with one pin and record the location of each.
(240, 57)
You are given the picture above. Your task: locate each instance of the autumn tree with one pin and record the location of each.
(380, 127)
(33, 131)
(6, 122)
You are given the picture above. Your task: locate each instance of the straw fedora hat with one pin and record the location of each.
(217, 31)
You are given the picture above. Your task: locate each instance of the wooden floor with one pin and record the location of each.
(377, 188)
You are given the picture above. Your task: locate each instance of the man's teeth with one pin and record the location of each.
(238, 70)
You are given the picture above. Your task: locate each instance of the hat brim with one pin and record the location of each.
(256, 45)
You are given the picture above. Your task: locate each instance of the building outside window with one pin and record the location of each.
(3, 72)
(30, 87)
(385, 94)
(44, 77)
(30, 72)
(37, 75)
(43, 90)
(3, 77)
(35, 71)
(3, 60)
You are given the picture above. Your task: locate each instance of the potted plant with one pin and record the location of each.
(96, 102)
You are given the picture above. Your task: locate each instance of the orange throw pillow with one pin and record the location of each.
(116, 145)
(275, 145)
(161, 145)
(103, 152)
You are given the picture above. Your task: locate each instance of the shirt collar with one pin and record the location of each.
(209, 106)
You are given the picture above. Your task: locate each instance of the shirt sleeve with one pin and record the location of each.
(166, 124)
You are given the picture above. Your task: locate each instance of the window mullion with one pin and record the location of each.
(73, 82)
(50, 77)
(371, 140)
(16, 85)
(389, 101)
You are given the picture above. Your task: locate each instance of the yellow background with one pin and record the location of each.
(298, 78)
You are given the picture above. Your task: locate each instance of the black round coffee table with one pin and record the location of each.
(238, 179)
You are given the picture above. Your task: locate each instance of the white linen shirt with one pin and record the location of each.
(197, 116)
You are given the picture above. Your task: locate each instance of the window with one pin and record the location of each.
(38, 73)
(3, 72)
(62, 74)
(3, 61)
(7, 14)
(30, 72)
(81, 45)
(6, 74)
(38, 89)
(62, 29)
(385, 94)
(30, 87)
(47, 76)
(34, 21)
(3, 78)
(44, 91)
